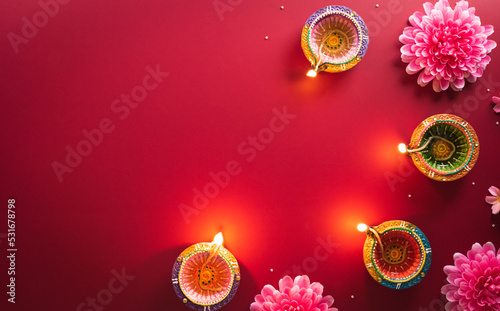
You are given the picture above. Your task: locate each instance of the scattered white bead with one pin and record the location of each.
(282, 7)
(409, 195)
(473, 183)
(266, 37)
(352, 296)
(271, 270)
(376, 5)
(497, 123)
(493, 225)
(487, 90)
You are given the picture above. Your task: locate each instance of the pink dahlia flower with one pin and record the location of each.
(496, 100)
(293, 295)
(474, 280)
(450, 45)
(494, 200)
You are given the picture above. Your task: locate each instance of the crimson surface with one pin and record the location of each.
(108, 192)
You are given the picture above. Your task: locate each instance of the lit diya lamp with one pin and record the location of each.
(334, 39)
(396, 253)
(443, 147)
(206, 276)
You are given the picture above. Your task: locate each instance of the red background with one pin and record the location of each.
(323, 173)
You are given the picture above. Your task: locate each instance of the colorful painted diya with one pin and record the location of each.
(444, 147)
(397, 254)
(334, 39)
(206, 276)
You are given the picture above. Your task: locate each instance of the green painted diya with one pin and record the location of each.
(444, 147)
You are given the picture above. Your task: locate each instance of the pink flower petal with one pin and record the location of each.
(488, 30)
(497, 108)
(317, 288)
(490, 45)
(476, 249)
(267, 291)
(459, 83)
(460, 260)
(491, 200)
(328, 300)
(489, 247)
(450, 44)
(494, 191)
(495, 209)
(474, 280)
(259, 299)
(436, 85)
(428, 7)
(255, 307)
(285, 282)
(450, 269)
(406, 50)
(449, 291)
(413, 67)
(296, 294)
(302, 281)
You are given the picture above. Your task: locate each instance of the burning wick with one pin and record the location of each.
(362, 227)
(218, 239)
(312, 73)
(402, 148)
(206, 274)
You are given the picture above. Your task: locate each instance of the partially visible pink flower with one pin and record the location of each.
(293, 295)
(494, 200)
(450, 45)
(474, 280)
(496, 100)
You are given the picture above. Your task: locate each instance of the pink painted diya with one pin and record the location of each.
(334, 39)
(443, 147)
(206, 276)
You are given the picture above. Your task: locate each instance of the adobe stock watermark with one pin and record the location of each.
(30, 27)
(437, 304)
(223, 6)
(121, 107)
(382, 16)
(483, 89)
(323, 250)
(105, 296)
(249, 149)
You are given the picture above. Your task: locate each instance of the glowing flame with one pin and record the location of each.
(312, 73)
(218, 239)
(402, 148)
(362, 227)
